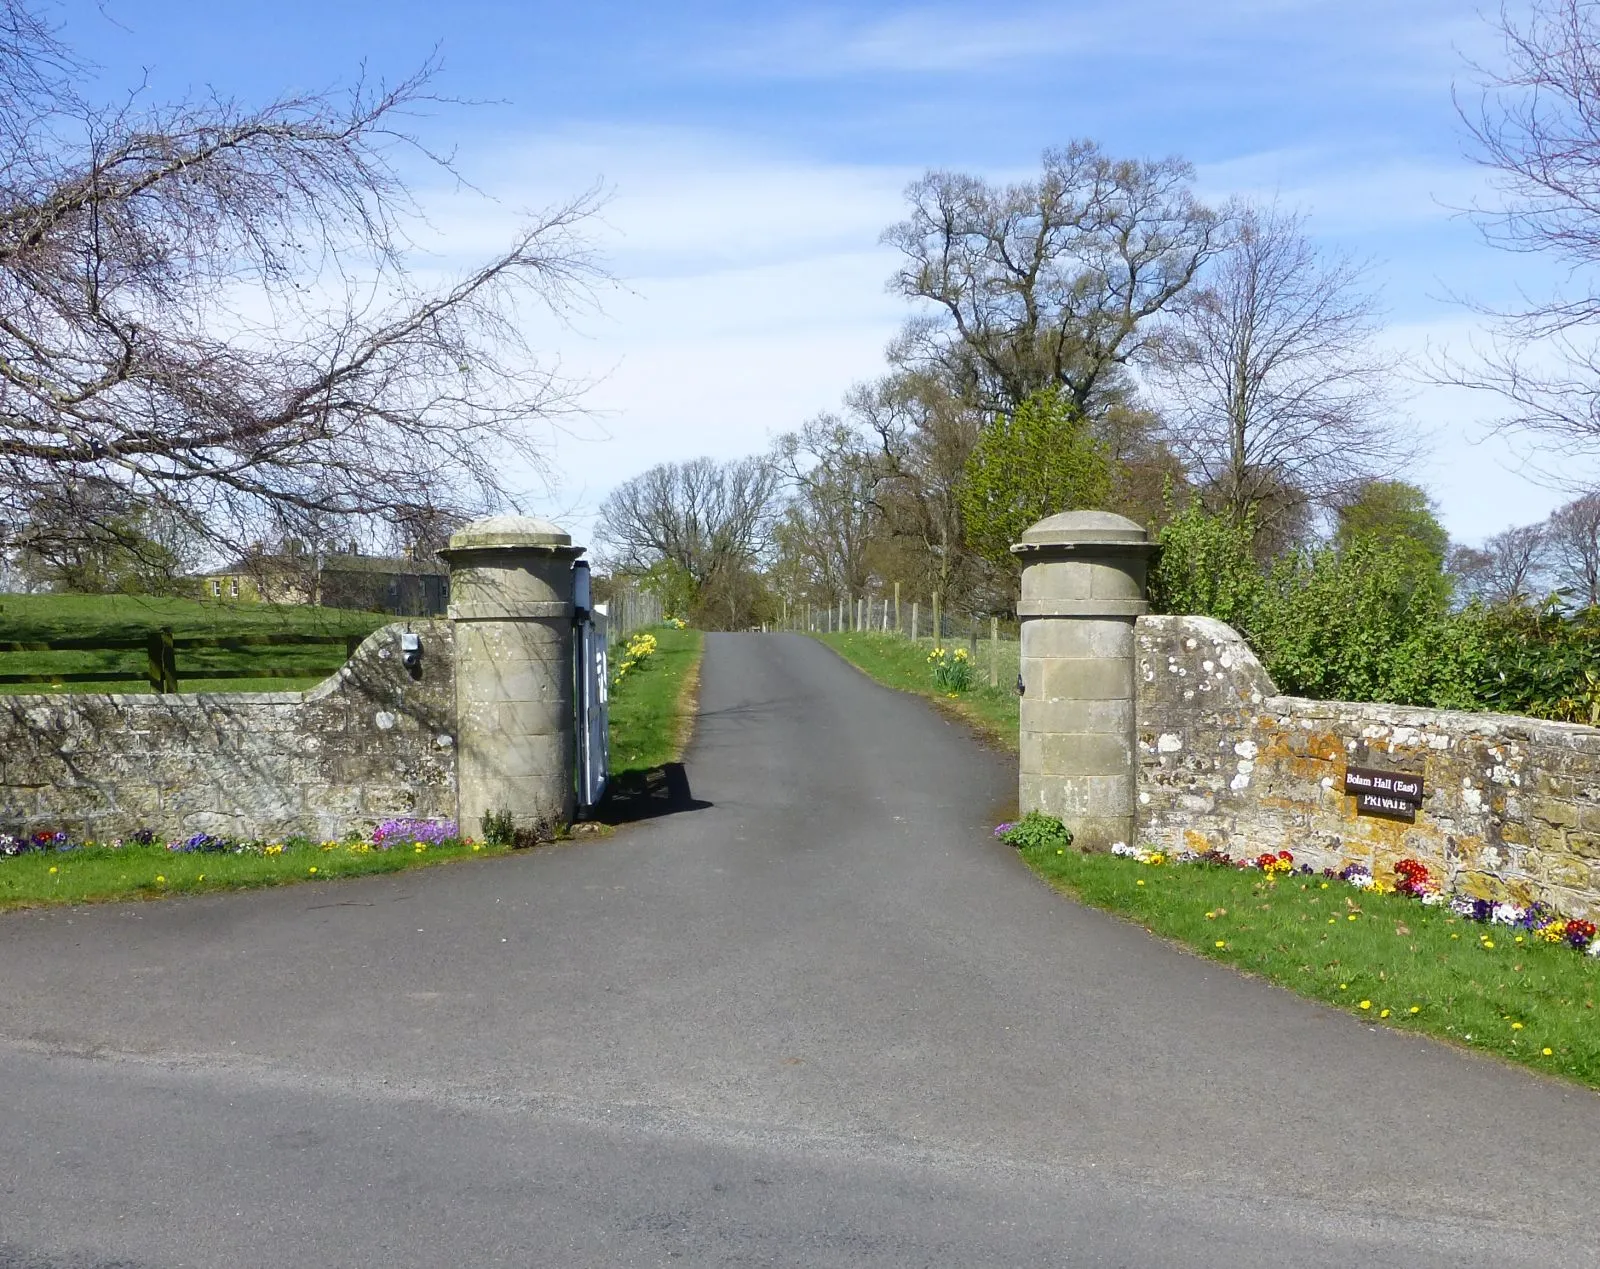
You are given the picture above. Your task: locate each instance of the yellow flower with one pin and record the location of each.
(476, 847)
(1516, 1026)
(1221, 943)
(1366, 1004)
(1415, 1009)
(201, 877)
(1333, 920)
(1342, 986)
(1549, 1052)
(1140, 882)
(1383, 1013)
(1324, 885)
(160, 880)
(312, 868)
(52, 868)
(1488, 942)
(1211, 916)
(1351, 917)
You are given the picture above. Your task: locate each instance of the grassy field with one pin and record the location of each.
(37, 618)
(1386, 959)
(900, 663)
(652, 710)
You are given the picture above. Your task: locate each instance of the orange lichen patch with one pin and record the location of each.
(1195, 840)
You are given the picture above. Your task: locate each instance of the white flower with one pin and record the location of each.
(1505, 914)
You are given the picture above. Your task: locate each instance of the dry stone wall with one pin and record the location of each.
(1511, 806)
(371, 742)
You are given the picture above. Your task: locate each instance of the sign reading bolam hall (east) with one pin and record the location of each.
(1390, 794)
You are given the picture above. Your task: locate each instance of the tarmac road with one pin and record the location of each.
(814, 1017)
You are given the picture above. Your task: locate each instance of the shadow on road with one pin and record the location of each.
(645, 795)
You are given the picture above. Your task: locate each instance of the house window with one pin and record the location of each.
(216, 587)
(233, 587)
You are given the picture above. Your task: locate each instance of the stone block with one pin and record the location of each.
(1077, 640)
(1095, 680)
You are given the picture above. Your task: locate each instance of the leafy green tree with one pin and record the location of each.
(1393, 512)
(1031, 463)
(1207, 567)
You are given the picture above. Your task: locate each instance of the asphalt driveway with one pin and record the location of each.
(815, 1017)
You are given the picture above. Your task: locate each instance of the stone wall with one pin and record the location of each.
(1511, 805)
(371, 742)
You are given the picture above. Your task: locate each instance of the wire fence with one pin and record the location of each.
(991, 642)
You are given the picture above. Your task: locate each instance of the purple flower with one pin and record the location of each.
(1000, 830)
(404, 832)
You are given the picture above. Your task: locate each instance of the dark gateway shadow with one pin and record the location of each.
(643, 795)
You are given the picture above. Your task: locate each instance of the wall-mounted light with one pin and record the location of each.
(411, 652)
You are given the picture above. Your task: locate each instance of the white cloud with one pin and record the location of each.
(752, 294)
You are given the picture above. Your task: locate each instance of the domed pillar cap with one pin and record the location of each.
(511, 533)
(1071, 532)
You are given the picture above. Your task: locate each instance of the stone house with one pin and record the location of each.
(334, 579)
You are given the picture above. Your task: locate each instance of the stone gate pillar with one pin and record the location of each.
(511, 602)
(1083, 586)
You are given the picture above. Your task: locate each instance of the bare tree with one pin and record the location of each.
(1050, 282)
(832, 519)
(1270, 378)
(710, 521)
(209, 307)
(1572, 538)
(1535, 125)
(1508, 570)
(925, 435)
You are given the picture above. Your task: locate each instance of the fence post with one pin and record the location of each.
(162, 670)
(938, 625)
(897, 626)
(1083, 587)
(511, 605)
(914, 607)
(994, 652)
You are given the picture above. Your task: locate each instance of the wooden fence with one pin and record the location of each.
(161, 650)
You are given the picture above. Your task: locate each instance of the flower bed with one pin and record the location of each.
(392, 834)
(1411, 880)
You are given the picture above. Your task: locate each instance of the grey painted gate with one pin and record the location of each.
(593, 748)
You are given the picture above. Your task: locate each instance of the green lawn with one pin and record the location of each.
(900, 663)
(1490, 988)
(652, 709)
(38, 618)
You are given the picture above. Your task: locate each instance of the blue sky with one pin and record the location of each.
(753, 153)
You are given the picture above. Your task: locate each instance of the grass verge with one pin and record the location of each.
(652, 711)
(1419, 969)
(900, 663)
(97, 874)
(1385, 959)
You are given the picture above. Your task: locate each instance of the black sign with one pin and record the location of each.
(1392, 785)
(1390, 808)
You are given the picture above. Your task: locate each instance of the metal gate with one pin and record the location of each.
(593, 748)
